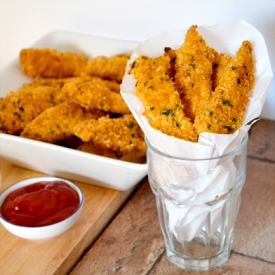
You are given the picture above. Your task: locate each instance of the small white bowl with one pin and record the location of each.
(41, 232)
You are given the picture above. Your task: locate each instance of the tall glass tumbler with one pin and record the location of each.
(197, 202)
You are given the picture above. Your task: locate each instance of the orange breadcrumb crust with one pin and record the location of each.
(51, 63)
(194, 89)
(224, 112)
(122, 136)
(193, 66)
(162, 103)
(67, 89)
(112, 68)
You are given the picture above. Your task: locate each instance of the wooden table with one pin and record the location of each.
(126, 238)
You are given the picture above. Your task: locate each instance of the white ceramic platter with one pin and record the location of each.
(56, 160)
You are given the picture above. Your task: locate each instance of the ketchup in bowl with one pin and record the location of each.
(41, 203)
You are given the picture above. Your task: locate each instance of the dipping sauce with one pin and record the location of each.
(41, 203)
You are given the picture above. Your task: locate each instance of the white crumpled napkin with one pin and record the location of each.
(223, 38)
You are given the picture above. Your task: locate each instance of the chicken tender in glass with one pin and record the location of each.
(193, 67)
(51, 63)
(162, 103)
(223, 113)
(219, 65)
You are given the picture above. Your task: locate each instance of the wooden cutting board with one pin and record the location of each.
(59, 254)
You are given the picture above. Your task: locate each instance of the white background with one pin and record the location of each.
(24, 21)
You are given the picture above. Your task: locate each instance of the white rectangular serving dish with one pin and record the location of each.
(56, 160)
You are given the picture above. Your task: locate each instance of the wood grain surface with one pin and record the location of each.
(56, 255)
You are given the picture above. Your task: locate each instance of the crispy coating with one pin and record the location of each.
(57, 123)
(134, 156)
(220, 62)
(111, 68)
(51, 63)
(121, 136)
(63, 94)
(49, 81)
(92, 93)
(172, 54)
(161, 101)
(193, 72)
(224, 112)
(17, 109)
(112, 85)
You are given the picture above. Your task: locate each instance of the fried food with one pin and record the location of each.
(91, 93)
(110, 68)
(172, 56)
(193, 65)
(223, 113)
(51, 63)
(49, 81)
(122, 136)
(219, 65)
(112, 85)
(66, 91)
(194, 89)
(17, 109)
(162, 103)
(134, 156)
(57, 123)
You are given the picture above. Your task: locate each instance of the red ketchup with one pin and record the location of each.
(41, 203)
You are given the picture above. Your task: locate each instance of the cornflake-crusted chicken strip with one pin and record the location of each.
(162, 103)
(48, 81)
(220, 63)
(193, 72)
(112, 85)
(93, 93)
(224, 112)
(122, 136)
(57, 123)
(134, 156)
(17, 109)
(51, 63)
(111, 68)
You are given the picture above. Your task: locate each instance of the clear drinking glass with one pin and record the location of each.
(197, 202)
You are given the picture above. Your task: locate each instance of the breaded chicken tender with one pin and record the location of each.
(161, 101)
(54, 82)
(112, 85)
(51, 63)
(57, 123)
(219, 65)
(91, 93)
(97, 149)
(223, 113)
(193, 67)
(18, 108)
(110, 68)
(121, 136)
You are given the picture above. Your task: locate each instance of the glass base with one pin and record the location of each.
(197, 264)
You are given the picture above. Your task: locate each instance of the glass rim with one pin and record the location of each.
(233, 152)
